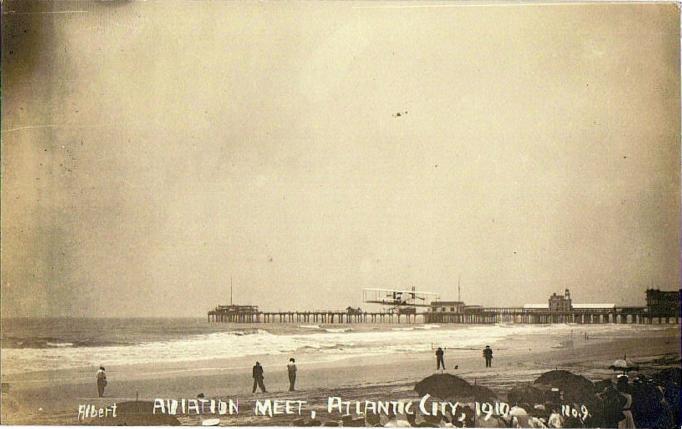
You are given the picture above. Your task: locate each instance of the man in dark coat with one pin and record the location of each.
(488, 355)
(291, 369)
(440, 360)
(101, 381)
(258, 377)
(612, 403)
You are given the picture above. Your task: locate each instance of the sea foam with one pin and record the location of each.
(328, 344)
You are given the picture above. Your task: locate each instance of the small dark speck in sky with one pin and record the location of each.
(399, 114)
(625, 157)
(270, 259)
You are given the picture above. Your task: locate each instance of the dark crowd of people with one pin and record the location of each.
(637, 402)
(642, 402)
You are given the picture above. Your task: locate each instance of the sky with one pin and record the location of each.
(154, 151)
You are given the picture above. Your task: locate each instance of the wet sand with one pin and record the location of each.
(53, 398)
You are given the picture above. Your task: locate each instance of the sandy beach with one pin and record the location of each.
(53, 397)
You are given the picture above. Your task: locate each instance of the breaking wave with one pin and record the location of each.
(329, 343)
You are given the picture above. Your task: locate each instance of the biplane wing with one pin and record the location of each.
(407, 291)
(398, 297)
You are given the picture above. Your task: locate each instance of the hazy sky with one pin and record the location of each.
(152, 150)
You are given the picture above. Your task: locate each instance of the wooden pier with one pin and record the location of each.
(631, 315)
(662, 307)
(250, 314)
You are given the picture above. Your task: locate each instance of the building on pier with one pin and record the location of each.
(447, 306)
(559, 302)
(563, 303)
(665, 303)
(234, 313)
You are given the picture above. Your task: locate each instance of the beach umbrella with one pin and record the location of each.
(137, 413)
(482, 393)
(445, 386)
(135, 407)
(600, 385)
(525, 393)
(575, 387)
(555, 376)
(624, 365)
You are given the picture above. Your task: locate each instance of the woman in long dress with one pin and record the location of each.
(623, 388)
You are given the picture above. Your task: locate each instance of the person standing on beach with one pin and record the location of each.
(258, 378)
(440, 359)
(623, 386)
(101, 381)
(488, 355)
(612, 406)
(291, 369)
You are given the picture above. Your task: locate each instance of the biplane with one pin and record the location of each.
(399, 300)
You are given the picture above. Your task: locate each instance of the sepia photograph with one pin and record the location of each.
(387, 213)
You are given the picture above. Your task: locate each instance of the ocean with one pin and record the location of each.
(30, 345)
